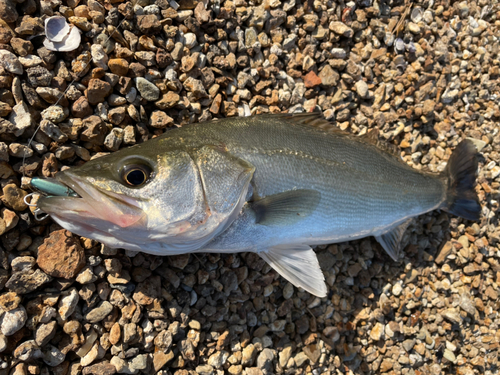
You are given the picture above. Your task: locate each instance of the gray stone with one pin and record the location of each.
(148, 90)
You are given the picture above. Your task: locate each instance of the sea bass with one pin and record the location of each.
(269, 184)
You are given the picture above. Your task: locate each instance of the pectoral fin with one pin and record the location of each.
(286, 208)
(391, 240)
(299, 265)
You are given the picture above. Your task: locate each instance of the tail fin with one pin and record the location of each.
(461, 173)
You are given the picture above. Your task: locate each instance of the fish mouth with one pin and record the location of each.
(91, 202)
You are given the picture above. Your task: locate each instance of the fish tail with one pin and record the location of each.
(461, 173)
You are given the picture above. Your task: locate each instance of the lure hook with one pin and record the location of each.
(38, 212)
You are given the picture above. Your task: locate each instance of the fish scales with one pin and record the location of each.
(270, 184)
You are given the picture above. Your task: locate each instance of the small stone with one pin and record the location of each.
(53, 131)
(311, 80)
(61, 255)
(149, 24)
(28, 351)
(313, 352)
(8, 11)
(30, 61)
(81, 108)
(444, 252)
(102, 368)
(98, 90)
(5, 109)
(20, 118)
(118, 66)
(99, 313)
(117, 115)
(249, 354)
(21, 47)
(45, 332)
(204, 370)
(377, 331)
(265, 359)
(20, 151)
(115, 334)
(50, 95)
(168, 100)
(160, 120)
(114, 139)
(414, 28)
(10, 62)
(195, 87)
(148, 90)
(55, 113)
(452, 315)
(68, 303)
(341, 29)
(397, 289)
(160, 359)
(12, 321)
(27, 282)
(362, 89)
(386, 365)
(9, 301)
(39, 76)
(328, 76)
(52, 356)
(94, 130)
(449, 355)
(300, 359)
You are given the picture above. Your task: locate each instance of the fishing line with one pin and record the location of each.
(30, 141)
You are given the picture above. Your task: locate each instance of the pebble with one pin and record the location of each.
(44, 333)
(68, 303)
(13, 320)
(100, 312)
(10, 62)
(21, 118)
(148, 90)
(55, 113)
(27, 282)
(61, 255)
(52, 356)
(377, 331)
(362, 89)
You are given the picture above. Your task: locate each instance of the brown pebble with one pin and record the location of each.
(61, 255)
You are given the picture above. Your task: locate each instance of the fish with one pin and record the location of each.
(273, 184)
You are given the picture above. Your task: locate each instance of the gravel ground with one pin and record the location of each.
(425, 73)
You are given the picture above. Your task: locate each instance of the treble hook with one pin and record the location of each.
(37, 212)
(29, 203)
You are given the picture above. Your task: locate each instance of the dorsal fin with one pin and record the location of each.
(372, 136)
(314, 120)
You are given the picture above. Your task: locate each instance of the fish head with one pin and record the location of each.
(134, 199)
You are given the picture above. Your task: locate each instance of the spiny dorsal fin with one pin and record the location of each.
(314, 120)
(372, 136)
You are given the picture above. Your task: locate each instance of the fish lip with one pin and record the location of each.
(78, 184)
(93, 201)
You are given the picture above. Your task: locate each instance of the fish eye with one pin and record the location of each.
(136, 175)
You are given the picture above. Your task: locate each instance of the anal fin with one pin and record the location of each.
(391, 240)
(299, 265)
